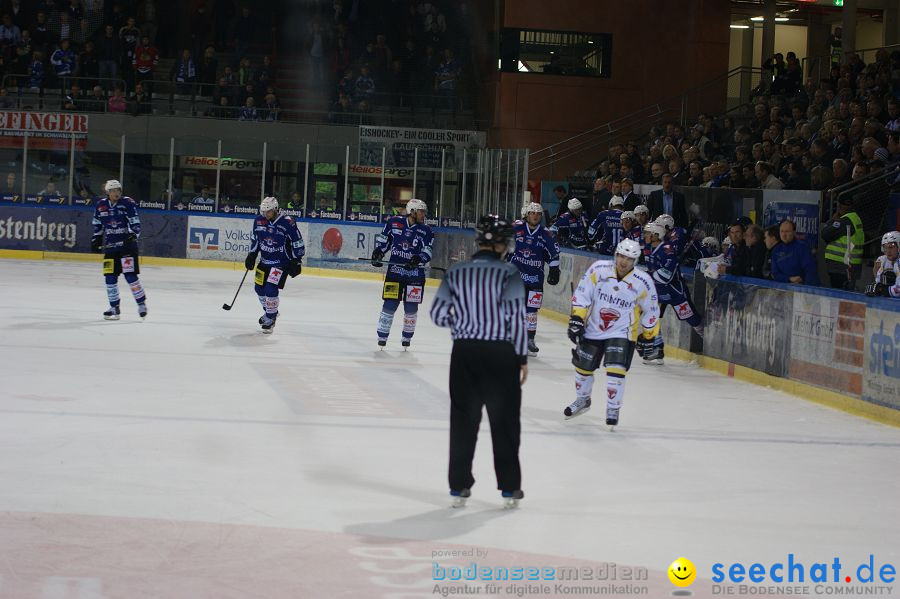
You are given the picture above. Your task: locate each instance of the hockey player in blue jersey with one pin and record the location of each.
(279, 245)
(630, 227)
(677, 236)
(409, 241)
(535, 246)
(570, 229)
(663, 265)
(116, 231)
(606, 229)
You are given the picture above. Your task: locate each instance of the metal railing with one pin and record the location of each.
(869, 197)
(736, 86)
(814, 67)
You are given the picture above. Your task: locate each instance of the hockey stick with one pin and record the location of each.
(228, 306)
(431, 267)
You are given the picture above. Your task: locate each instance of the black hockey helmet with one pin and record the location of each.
(494, 229)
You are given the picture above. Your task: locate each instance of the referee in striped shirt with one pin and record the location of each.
(483, 303)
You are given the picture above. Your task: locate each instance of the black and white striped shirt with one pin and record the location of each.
(483, 299)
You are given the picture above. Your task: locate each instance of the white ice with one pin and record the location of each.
(321, 444)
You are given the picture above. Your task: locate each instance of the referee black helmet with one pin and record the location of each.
(493, 229)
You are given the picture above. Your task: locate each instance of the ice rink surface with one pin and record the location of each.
(191, 456)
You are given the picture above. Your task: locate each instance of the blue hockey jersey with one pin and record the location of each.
(404, 241)
(635, 233)
(571, 230)
(534, 248)
(607, 231)
(116, 222)
(278, 242)
(663, 266)
(679, 238)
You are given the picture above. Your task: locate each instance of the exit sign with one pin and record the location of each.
(838, 2)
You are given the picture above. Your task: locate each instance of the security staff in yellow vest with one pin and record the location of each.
(844, 237)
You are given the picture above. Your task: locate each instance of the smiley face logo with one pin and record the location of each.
(682, 572)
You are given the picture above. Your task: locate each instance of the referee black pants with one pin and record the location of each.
(484, 374)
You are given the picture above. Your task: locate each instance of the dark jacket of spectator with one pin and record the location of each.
(679, 206)
(757, 255)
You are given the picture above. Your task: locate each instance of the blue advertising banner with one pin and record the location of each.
(54, 229)
(802, 207)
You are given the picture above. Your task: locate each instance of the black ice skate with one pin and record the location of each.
(142, 310)
(459, 497)
(405, 343)
(577, 407)
(268, 324)
(382, 343)
(511, 498)
(532, 348)
(112, 313)
(612, 417)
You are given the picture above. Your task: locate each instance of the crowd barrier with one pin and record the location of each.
(840, 342)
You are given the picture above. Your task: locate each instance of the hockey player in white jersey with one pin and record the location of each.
(611, 304)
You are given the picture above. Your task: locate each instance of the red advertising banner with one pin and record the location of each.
(46, 130)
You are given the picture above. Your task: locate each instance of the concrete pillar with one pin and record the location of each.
(768, 37)
(746, 62)
(848, 39)
(816, 64)
(891, 22)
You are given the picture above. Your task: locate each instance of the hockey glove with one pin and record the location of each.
(553, 276)
(413, 263)
(130, 239)
(877, 289)
(576, 329)
(97, 244)
(295, 268)
(377, 255)
(250, 261)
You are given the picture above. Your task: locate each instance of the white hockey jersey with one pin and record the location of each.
(616, 309)
(882, 264)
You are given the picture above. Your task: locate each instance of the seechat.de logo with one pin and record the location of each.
(203, 239)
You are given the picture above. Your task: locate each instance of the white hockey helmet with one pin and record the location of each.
(267, 204)
(641, 209)
(628, 214)
(656, 229)
(574, 204)
(726, 243)
(629, 248)
(415, 204)
(112, 184)
(666, 221)
(710, 243)
(532, 208)
(890, 237)
(616, 201)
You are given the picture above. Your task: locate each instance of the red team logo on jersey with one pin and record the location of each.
(684, 311)
(608, 316)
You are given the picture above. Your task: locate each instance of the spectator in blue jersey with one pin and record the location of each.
(248, 111)
(792, 259)
(184, 73)
(364, 87)
(36, 71)
(446, 78)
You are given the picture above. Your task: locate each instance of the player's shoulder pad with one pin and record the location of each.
(128, 200)
(603, 268)
(643, 277)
